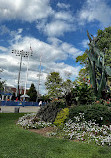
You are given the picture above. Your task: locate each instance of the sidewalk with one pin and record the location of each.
(26, 109)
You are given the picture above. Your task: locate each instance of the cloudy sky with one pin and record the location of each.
(56, 31)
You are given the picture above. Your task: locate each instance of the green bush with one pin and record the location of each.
(74, 111)
(48, 112)
(61, 117)
(97, 112)
(83, 94)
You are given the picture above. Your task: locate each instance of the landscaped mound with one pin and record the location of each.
(83, 123)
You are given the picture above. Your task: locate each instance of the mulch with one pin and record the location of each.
(43, 131)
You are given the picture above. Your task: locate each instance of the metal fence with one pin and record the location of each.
(18, 103)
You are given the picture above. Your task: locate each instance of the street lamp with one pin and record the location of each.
(39, 80)
(29, 54)
(20, 53)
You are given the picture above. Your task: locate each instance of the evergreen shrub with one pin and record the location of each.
(61, 117)
(48, 112)
(75, 110)
(98, 112)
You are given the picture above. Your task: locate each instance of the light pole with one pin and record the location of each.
(39, 80)
(29, 54)
(20, 53)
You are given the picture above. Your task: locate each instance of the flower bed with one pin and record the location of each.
(80, 130)
(29, 121)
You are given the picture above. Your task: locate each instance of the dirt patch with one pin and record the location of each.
(44, 131)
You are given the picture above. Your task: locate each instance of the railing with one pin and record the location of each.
(18, 103)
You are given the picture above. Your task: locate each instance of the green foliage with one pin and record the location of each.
(53, 84)
(67, 86)
(61, 117)
(74, 111)
(103, 42)
(82, 59)
(48, 112)
(2, 85)
(83, 94)
(32, 93)
(97, 112)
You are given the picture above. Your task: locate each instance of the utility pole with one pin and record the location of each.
(20, 53)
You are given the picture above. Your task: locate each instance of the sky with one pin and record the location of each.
(56, 32)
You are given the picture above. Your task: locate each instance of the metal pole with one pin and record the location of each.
(22, 54)
(26, 76)
(29, 54)
(39, 81)
(18, 89)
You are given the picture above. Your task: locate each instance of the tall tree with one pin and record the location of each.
(54, 85)
(103, 44)
(32, 93)
(2, 85)
(67, 86)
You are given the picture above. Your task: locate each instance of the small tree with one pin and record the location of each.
(54, 85)
(32, 93)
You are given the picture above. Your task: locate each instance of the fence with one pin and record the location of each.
(18, 103)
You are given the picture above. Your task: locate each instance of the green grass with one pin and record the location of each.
(16, 142)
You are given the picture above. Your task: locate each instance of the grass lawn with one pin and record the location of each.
(16, 142)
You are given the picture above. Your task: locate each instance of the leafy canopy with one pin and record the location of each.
(53, 84)
(32, 93)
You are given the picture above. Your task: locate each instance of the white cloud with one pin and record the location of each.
(50, 55)
(4, 30)
(3, 49)
(57, 28)
(24, 10)
(63, 5)
(85, 43)
(97, 10)
(64, 16)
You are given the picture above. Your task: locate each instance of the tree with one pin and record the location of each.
(32, 93)
(2, 85)
(100, 43)
(54, 85)
(67, 86)
(104, 42)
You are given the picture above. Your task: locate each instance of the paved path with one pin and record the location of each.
(11, 109)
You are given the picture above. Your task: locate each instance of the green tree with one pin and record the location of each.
(2, 85)
(32, 93)
(67, 86)
(103, 44)
(54, 85)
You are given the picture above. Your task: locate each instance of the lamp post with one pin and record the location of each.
(20, 53)
(29, 54)
(39, 80)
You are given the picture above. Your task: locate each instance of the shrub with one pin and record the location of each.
(48, 112)
(83, 94)
(61, 117)
(74, 111)
(97, 112)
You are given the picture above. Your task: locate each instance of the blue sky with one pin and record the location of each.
(56, 30)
